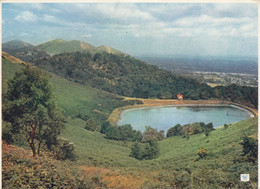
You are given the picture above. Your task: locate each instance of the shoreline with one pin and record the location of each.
(115, 116)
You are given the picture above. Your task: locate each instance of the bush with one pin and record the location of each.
(148, 151)
(64, 150)
(7, 134)
(225, 126)
(250, 148)
(104, 127)
(174, 131)
(91, 125)
(124, 132)
(137, 151)
(151, 134)
(19, 171)
(203, 152)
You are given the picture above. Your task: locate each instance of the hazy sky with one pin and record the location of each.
(139, 29)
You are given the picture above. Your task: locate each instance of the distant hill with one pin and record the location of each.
(107, 49)
(16, 44)
(58, 46)
(22, 49)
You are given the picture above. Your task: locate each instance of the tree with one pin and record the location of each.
(187, 131)
(250, 148)
(174, 131)
(151, 150)
(30, 109)
(152, 134)
(137, 151)
(104, 127)
(91, 124)
(113, 133)
(208, 128)
(64, 150)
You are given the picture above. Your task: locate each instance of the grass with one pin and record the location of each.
(74, 98)
(178, 163)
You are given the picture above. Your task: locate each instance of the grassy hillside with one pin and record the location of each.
(178, 165)
(77, 100)
(107, 49)
(178, 157)
(60, 46)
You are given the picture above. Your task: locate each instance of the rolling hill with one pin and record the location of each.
(107, 162)
(16, 44)
(21, 49)
(59, 46)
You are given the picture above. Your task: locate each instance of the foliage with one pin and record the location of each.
(124, 132)
(151, 150)
(225, 126)
(29, 107)
(91, 125)
(174, 131)
(151, 134)
(203, 152)
(176, 160)
(148, 151)
(7, 134)
(250, 148)
(64, 150)
(239, 94)
(137, 151)
(127, 76)
(20, 171)
(190, 129)
(104, 127)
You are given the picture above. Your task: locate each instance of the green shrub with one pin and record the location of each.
(148, 151)
(19, 171)
(91, 125)
(174, 131)
(64, 150)
(151, 134)
(225, 126)
(250, 148)
(203, 152)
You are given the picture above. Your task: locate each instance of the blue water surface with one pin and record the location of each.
(162, 118)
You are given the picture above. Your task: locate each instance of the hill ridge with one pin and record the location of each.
(58, 46)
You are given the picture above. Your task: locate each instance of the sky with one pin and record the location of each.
(140, 29)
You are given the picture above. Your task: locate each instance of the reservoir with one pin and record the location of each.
(163, 118)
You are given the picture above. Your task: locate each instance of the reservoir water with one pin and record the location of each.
(162, 118)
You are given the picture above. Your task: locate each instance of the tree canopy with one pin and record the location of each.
(29, 109)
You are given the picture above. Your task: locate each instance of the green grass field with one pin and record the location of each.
(178, 164)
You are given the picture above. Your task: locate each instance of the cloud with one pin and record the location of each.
(48, 18)
(26, 16)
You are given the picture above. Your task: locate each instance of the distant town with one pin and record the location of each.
(219, 78)
(214, 72)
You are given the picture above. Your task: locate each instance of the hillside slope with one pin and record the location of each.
(61, 46)
(16, 44)
(77, 100)
(23, 50)
(178, 164)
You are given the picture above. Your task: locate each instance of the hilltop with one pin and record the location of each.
(16, 44)
(23, 49)
(61, 46)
